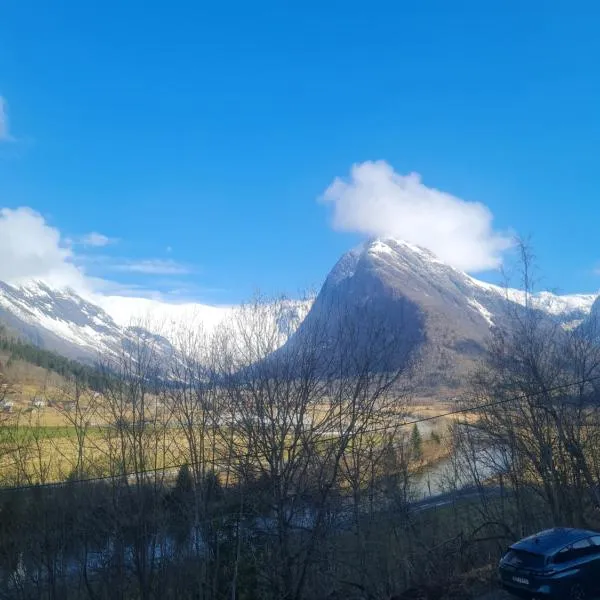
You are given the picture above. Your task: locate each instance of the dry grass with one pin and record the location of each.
(46, 444)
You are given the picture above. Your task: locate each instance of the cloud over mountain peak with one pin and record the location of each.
(377, 201)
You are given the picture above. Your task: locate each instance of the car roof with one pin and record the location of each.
(552, 540)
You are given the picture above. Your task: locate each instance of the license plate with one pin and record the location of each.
(521, 580)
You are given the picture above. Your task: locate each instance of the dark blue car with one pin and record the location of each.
(557, 563)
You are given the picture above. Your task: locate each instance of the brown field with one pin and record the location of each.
(40, 444)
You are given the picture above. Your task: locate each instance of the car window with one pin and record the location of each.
(563, 555)
(521, 558)
(594, 547)
(574, 551)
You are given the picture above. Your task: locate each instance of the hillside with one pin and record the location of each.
(28, 372)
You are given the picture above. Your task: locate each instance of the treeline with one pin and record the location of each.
(17, 349)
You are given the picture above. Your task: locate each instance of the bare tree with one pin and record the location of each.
(200, 407)
(538, 382)
(78, 405)
(299, 404)
(138, 449)
(7, 385)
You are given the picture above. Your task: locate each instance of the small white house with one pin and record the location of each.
(38, 403)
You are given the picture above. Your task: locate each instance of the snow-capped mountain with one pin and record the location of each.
(59, 320)
(168, 319)
(445, 313)
(400, 262)
(87, 328)
(127, 311)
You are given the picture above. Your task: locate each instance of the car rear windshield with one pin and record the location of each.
(522, 558)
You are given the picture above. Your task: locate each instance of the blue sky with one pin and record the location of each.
(198, 137)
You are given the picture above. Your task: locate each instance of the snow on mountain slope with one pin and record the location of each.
(63, 321)
(445, 297)
(485, 298)
(162, 315)
(59, 320)
(168, 319)
(444, 315)
(555, 304)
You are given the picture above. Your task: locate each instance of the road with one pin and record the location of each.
(466, 493)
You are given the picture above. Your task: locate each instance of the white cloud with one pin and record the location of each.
(96, 240)
(153, 267)
(4, 133)
(32, 249)
(377, 201)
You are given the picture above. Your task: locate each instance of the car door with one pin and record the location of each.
(581, 557)
(572, 559)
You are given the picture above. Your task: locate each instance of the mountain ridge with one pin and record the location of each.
(454, 310)
(447, 315)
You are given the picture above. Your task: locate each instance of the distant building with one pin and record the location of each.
(38, 403)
